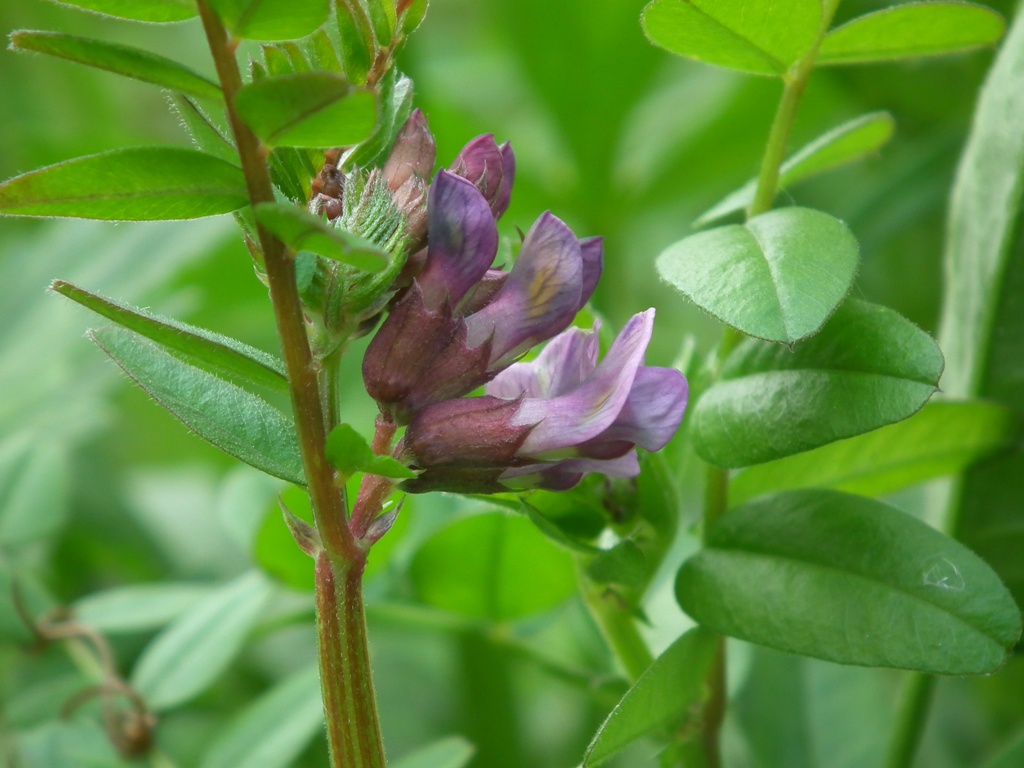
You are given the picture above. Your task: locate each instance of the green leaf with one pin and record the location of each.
(137, 184)
(984, 305)
(851, 580)
(624, 564)
(34, 484)
(842, 145)
(493, 567)
(664, 695)
(188, 656)
(757, 36)
(311, 109)
(61, 744)
(867, 368)
(912, 30)
(120, 59)
(348, 452)
(413, 16)
(236, 421)
(272, 19)
(778, 277)
(396, 100)
(274, 730)
(357, 42)
(300, 230)
(139, 607)
(275, 549)
(208, 137)
(213, 352)
(449, 752)
(139, 10)
(1010, 756)
(943, 438)
(383, 19)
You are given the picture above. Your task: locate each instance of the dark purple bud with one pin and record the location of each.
(469, 432)
(491, 168)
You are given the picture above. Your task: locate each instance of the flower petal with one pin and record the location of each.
(539, 298)
(592, 249)
(463, 240)
(468, 432)
(508, 174)
(653, 411)
(584, 413)
(485, 164)
(566, 361)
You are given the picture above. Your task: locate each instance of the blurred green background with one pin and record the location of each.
(616, 137)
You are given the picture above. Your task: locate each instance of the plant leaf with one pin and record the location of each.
(188, 656)
(310, 109)
(302, 231)
(449, 752)
(272, 19)
(756, 36)
(867, 368)
(139, 10)
(275, 550)
(208, 137)
(778, 277)
(210, 351)
(943, 438)
(34, 485)
(274, 730)
(663, 695)
(348, 452)
(120, 59)
(983, 307)
(912, 30)
(851, 580)
(236, 421)
(842, 145)
(139, 607)
(492, 566)
(136, 184)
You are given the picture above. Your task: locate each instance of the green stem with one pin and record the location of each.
(353, 733)
(617, 625)
(911, 715)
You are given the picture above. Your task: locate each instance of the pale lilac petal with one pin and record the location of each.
(592, 249)
(463, 240)
(591, 408)
(563, 475)
(508, 174)
(653, 411)
(566, 361)
(540, 297)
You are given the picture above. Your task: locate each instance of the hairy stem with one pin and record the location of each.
(617, 625)
(349, 704)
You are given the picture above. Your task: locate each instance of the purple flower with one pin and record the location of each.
(461, 322)
(491, 168)
(546, 423)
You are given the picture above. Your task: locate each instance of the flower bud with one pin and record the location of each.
(490, 168)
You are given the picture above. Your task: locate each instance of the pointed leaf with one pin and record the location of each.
(211, 351)
(357, 44)
(120, 59)
(272, 19)
(236, 421)
(275, 550)
(302, 231)
(348, 452)
(663, 696)
(139, 607)
(943, 438)
(274, 730)
(137, 184)
(851, 580)
(208, 138)
(912, 30)
(449, 752)
(493, 567)
(757, 36)
(869, 367)
(311, 109)
(139, 10)
(844, 144)
(777, 277)
(194, 651)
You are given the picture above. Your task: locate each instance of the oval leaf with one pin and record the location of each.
(778, 277)
(138, 184)
(869, 367)
(762, 37)
(663, 695)
(851, 580)
(274, 730)
(139, 10)
(120, 59)
(236, 421)
(139, 607)
(449, 752)
(912, 30)
(191, 654)
(942, 438)
(310, 109)
(302, 231)
(272, 19)
(842, 145)
(211, 351)
(492, 566)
